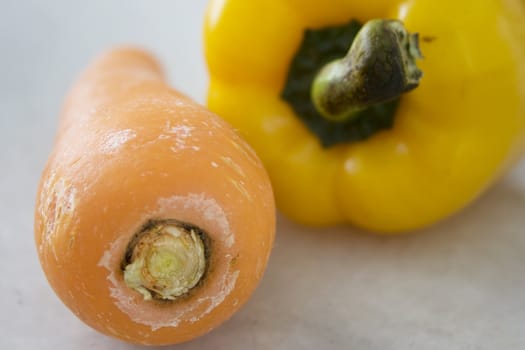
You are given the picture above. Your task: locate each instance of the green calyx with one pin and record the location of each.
(347, 95)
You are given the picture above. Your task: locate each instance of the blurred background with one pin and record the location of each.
(457, 285)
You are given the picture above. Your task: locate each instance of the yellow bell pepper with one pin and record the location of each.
(451, 137)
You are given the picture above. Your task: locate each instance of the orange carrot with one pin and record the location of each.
(154, 220)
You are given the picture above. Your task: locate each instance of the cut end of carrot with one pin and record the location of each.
(165, 260)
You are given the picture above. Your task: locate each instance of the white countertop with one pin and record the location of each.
(458, 285)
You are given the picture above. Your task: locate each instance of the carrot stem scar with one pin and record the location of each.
(165, 260)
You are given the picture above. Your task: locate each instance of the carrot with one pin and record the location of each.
(154, 220)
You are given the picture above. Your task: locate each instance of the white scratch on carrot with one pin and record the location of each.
(115, 140)
(57, 204)
(229, 162)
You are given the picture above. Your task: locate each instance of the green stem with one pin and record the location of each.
(379, 66)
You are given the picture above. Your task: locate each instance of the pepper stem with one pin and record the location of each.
(165, 260)
(379, 66)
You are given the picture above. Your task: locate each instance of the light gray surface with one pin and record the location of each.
(458, 285)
